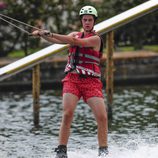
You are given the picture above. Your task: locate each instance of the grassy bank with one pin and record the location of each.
(20, 53)
(152, 48)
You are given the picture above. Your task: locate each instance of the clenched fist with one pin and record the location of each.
(41, 33)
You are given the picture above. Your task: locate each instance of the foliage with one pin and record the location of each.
(137, 33)
(62, 17)
(55, 15)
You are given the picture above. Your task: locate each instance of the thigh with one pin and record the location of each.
(98, 106)
(69, 101)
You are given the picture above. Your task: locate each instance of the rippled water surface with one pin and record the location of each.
(133, 132)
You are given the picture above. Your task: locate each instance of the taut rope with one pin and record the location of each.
(2, 17)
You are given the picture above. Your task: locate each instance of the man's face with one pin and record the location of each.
(87, 22)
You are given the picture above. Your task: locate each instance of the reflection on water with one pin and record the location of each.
(133, 132)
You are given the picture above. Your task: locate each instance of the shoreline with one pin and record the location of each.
(140, 67)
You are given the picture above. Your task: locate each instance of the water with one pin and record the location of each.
(133, 132)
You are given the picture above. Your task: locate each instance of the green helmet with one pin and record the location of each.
(88, 10)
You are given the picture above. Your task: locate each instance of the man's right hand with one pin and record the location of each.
(41, 33)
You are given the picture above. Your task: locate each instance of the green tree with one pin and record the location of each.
(136, 33)
(55, 16)
(62, 17)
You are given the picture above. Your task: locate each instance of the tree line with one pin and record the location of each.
(62, 17)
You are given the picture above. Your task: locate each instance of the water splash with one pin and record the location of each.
(143, 151)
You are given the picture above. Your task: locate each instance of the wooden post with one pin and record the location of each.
(109, 71)
(36, 94)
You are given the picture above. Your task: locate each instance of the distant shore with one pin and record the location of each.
(139, 67)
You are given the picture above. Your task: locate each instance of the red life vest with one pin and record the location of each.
(84, 60)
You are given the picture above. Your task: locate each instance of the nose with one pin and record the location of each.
(87, 22)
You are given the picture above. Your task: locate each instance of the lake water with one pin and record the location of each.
(133, 132)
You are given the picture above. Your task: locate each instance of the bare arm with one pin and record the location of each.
(49, 36)
(93, 41)
(52, 40)
(59, 39)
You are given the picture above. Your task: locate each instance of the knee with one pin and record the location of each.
(102, 118)
(68, 115)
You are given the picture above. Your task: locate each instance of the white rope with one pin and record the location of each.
(20, 22)
(15, 26)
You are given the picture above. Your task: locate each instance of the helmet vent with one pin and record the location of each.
(88, 10)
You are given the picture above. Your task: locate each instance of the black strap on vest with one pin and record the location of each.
(102, 45)
(76, 57)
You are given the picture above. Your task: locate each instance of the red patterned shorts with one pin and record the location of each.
(82, 87)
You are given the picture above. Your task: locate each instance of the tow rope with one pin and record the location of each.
(7, 19)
